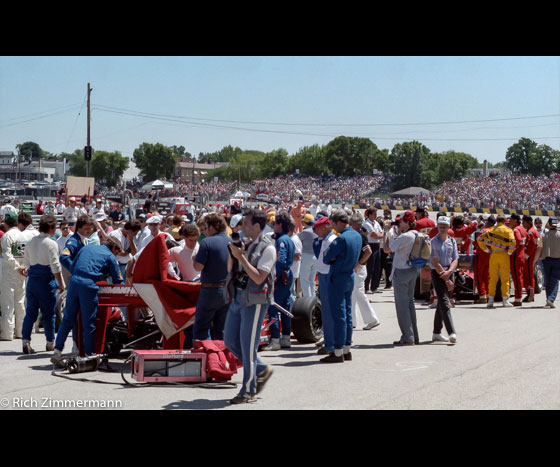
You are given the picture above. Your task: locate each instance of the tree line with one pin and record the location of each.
(409, 163)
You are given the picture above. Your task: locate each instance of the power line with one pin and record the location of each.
(150, 114)
(65, 109)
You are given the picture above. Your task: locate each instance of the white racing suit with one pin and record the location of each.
(12, 286)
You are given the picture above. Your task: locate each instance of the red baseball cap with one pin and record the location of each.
(321, 221)
(409, 217)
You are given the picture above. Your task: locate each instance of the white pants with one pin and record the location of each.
(307, 274)
(360, 299)
(12, 302)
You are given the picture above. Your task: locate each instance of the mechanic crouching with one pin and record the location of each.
(92, 264)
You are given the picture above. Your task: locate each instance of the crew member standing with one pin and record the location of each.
(530, 251)
(374, 234)
(482, 264)
(44, 277)
(517, 259)
(499, 241)
(283, 283)
(549, 253)
(342, 255)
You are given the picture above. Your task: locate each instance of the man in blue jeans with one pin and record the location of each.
(212, 260)
(342, 256)
(549, 252)
(253, 266)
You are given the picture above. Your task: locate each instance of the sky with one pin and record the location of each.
(477, 105)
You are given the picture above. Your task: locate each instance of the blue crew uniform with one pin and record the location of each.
(71, 249)
(342, 255)
(284, 260)
(91, 264)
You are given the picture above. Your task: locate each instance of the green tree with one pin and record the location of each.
(310, 160)
(521, 157)
(274, 163)
(32, 150)
(350, 155)
(155, 161)
(76, 162)
(108, 166)
(407, 164)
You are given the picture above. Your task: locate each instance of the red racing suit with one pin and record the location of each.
(462, 236)
(517, 260)
(481, 267)
(530, 249)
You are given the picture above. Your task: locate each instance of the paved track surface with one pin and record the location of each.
(505, 358)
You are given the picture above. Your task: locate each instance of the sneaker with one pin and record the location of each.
(439, 338)
(50, 346)
(490, 302)
(549, 304)
(285, 342)
(27, 348)
(433, 304)
(244, 399)
(347, 356)
(481, 300)
(263, 378)
(506, 303)
(332, 358)
(453, 338)
(274, 345)
(369, 326)
(323, 351)
(377, 291)
(57, 359)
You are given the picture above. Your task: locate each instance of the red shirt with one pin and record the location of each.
(463, 234)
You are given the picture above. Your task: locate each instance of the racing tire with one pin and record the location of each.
(60, 306)
(539, 278)
(307, 323)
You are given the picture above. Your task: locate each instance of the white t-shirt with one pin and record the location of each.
(372, 226)
(401, 247)
(321, 267)
(184, 257)
(296, 265)
(125, 245)
(61, 241)
(71, 213)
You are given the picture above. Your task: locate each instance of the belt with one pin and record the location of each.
(212, 285)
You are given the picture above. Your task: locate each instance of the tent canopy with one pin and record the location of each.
(412, 191)
(157, 185)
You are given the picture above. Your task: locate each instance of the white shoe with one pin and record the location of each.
(285, 342)
(274, 345)
(490, 302)
(453, 338)
(549, 304)
(369, 326)
(434, 304)
(57, 359)
(439, 338)
(506, 303)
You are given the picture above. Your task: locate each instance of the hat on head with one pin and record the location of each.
(408, 216)
(421, 208)
(444, 220)
(10, 215)
(553, 221)
(154, 220)
(308, 218)
(72, 198)
(321, 221)
(100, 216)
(235, 220)
(141, 216)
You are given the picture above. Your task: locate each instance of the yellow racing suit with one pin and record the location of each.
(500, 241)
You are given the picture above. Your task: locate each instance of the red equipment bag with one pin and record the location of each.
(221, 364)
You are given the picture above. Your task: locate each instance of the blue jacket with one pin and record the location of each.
(71, 249)
(284, 254)
(95, 262)
(343, 253)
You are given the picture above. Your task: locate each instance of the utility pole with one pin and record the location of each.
(88, 145)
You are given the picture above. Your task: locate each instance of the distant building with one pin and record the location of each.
(190, 171)
(36, 170)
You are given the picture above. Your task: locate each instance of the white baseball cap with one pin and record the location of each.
(154, 220)
(235, 220)
(100, 216)
(443, 220)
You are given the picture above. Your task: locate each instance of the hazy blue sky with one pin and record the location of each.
(266, 103)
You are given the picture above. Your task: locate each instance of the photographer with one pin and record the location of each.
(251, 291)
